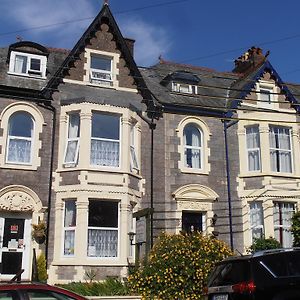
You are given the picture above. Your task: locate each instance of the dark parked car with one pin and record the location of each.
(35, 291)
(266, 275)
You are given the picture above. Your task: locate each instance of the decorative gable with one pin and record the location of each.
(103, 58)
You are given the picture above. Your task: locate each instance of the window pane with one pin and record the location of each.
(46, 295)
(100, 63)
(70, 213)
(20, 64)
(105, 126)
(35, 64)
(102, 243)
(283, 212)
(74, 125)
(19, 151)
(21, 124)
(69, 242)
(103, 214)
(256, 219)
(6, 295)
(192, 136)
(105, 153)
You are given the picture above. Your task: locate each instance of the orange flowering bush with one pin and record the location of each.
(178, 267)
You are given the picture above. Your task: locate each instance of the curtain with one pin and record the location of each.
(19, 150)
(69, 242)
(256, 219)
(280, 149)
(283, 213)
(104, 153)
(73, 138)
(102, 243)
(253, 147)
(20, 64)
(70, 213)
(192, 141)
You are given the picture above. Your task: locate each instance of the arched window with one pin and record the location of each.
(20, 138)
(192, 146)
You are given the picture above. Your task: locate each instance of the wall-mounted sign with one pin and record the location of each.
(14, 228)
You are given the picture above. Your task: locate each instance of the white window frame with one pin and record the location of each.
(178, 87)
(270, 89)
(188, 147)
(283, 227)
(68, 228)
(70, 140)
(105, 228)
(280, 150)
(12, 137)
(257, 207)
(255, 149)
(29, 72)
(107, 140)
(101, 81)
(134, 165)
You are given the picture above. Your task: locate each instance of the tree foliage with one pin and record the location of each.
(178, 267)
(295, 229)
(264, 244)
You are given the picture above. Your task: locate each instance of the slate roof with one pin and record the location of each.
(74, 93)
(212, 87)
(218, 92)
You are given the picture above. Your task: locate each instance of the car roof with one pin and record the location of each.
(262, 253)
(24, 285)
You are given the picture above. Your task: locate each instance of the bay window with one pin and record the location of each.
(71, 152)
(20, 138)
(283, 212)
(193, 152)
(253, 148)
(105, 140)
(69, 226)
(280, 149)
(103, 224)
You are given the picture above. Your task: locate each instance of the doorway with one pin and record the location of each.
(15, 245)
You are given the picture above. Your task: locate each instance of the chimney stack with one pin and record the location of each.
(252, 58)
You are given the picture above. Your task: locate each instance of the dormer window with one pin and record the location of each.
(101, 70)
(184, 88)
(27, 64)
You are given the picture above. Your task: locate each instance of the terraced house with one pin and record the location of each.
(77, 153)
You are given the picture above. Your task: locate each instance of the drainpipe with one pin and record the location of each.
(152, 126)
(53, 109)
(226, 125)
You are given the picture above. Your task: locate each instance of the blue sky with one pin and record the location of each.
(203, 33)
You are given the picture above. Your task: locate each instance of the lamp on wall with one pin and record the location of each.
(131, 235)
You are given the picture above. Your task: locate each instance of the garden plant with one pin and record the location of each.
(178, 266)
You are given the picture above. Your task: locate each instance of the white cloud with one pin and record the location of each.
(37, 13)
(151, 41)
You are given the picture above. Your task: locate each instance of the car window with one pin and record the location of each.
(6, 295)
(293, 263)
(46, 295)
(230, 273)
(275, 264)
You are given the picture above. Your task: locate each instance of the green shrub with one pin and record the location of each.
(295, 229)
(178, 267)
(108, 287)
(42, 267)
(264, 244)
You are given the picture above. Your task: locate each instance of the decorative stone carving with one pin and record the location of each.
(16, 201)
(192, 205)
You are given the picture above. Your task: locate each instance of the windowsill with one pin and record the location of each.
(27, 75)
(194, 171)
(103, 169)
(113, 86)
(271, 174)
(18, 167)
(87, 261)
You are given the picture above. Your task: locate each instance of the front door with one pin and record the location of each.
(14, 247)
